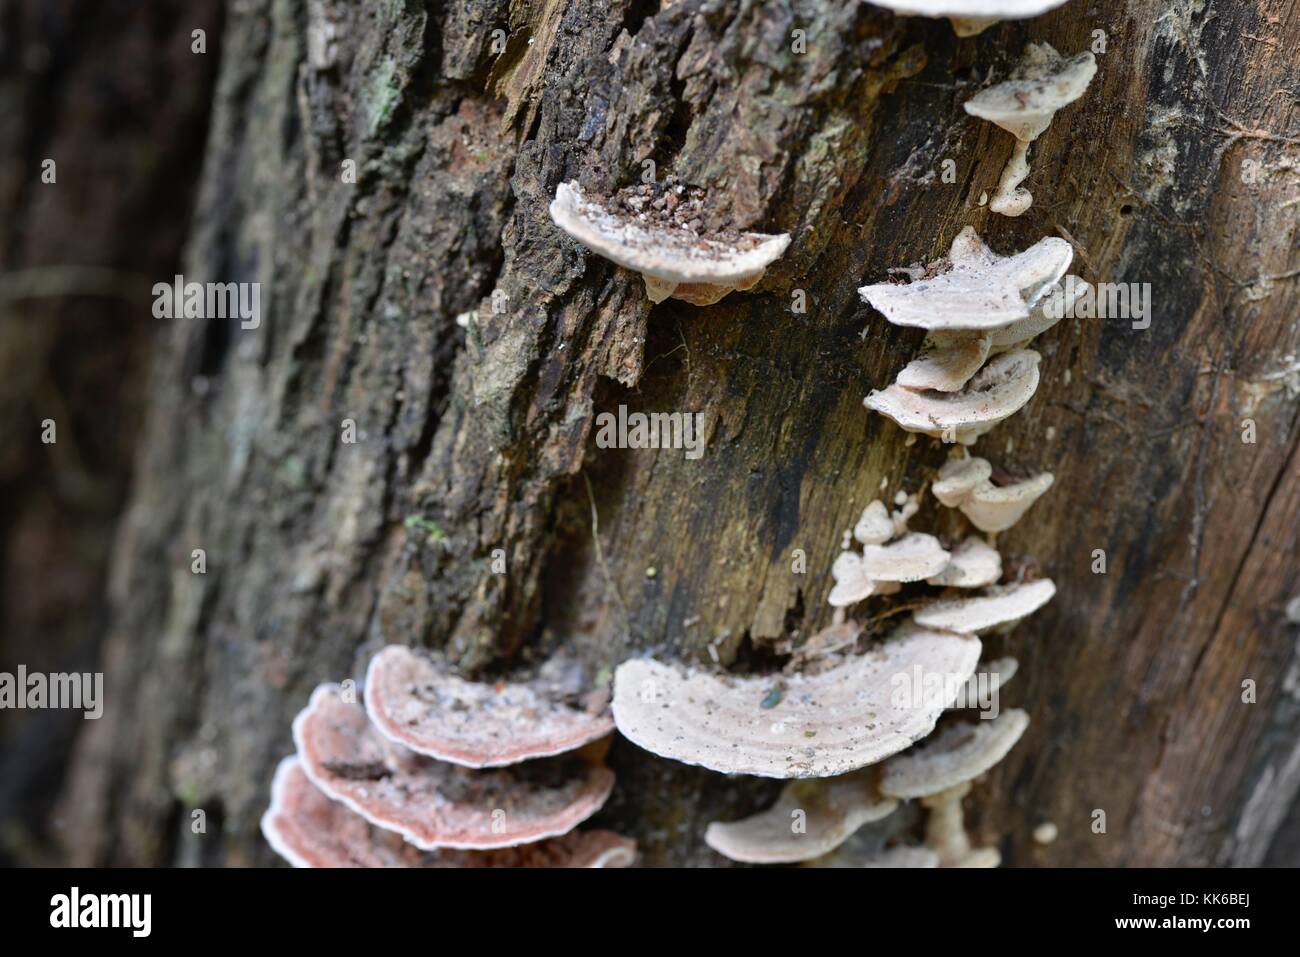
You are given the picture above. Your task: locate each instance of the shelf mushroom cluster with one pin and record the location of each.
(436, 771)
(980, 310)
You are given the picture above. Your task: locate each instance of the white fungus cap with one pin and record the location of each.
(852, 584)
(1000, 605)
(790, 726)
(1049, 310)
(667, 258)
(1042, 82)
(831, 809)
(970, 17)
(959, 753)
(981, 290)
(959, 477)
(973, 564)
(996, 393)
(875, 527)
(946, 363)
(995, 508)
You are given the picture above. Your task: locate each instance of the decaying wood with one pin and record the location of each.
(1178, 168)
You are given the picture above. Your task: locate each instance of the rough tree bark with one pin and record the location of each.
(1178, 168)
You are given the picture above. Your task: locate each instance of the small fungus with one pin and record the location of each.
(875, 527)
(967, 484)
(992, 675)
(979, 290)
(959, 753)
(946, 363)
(1023, 105)
(479, 725)
(308, 829)
(669, 253)
(996, 393)
(970, 17)
(835, 721)
(999, 606)
(830, 809)
(435, 804)
(973, 564)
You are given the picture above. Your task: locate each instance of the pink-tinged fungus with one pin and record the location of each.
(792, 725)
(997, 392)
(665, 245)
(970, 17)
(874, 527)
(1000, 606)
(973, 564)
(435, 804)
(307, 829)
(852, 584)
(811, 817)
(479, 725)
(979, 290)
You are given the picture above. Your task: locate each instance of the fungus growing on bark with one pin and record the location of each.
(994, 674)
(996, 393)
(946, 363)
(959, 753)
(480, 725)
(664, 244)
(1023, 105)
(973, 564)
(852, 583)
(879, 569)
(1000, 605)
(970, 17)
(1047, 312)
(308, 829)
(811, 818)
(434, 804)
(875, 527)
(967, 484)
(980, 290)
(790, 726)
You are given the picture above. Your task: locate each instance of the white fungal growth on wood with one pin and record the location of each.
(967, 484)
(674, 259)
(1023, 105)
(970, 17)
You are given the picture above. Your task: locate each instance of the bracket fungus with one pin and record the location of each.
(993, 674)
(970, 17)
(830, 810)
(999, 606)
(308, 829)
(880, 569)
(1023, 105)
(479, 725)
(435, 804)
(946, 363)
(997, 392)
(790, 726)
(959, 753)
(973, 564)
(979, 290)
(874, 527)
(967, 484)
(665, 246)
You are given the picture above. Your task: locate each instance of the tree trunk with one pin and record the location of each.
(1180, 167)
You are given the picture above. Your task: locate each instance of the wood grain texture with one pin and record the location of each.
(481, 438)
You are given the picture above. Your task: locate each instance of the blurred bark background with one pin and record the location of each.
(1180, 167)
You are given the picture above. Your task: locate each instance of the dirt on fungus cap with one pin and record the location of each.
(832, 809)
(1041, 83)
(979, 291)
(435, 804)
(790, 726)
(959, 753)
(1000, 605)
(973, 564)
(673, 262)
(996, 393)
(478, 724)
(970, 17)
